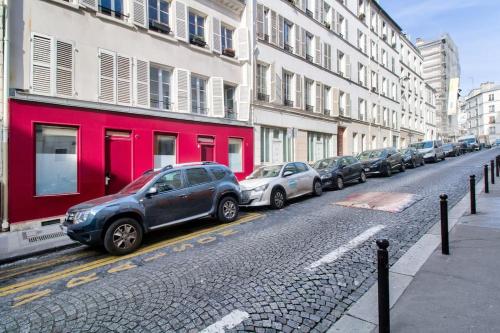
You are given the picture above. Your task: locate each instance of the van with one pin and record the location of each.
(432, 150)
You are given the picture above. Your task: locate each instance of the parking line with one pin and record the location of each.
(227, 322)
(353, 243)
(56, 276)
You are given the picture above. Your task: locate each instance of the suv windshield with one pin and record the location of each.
(422, 145)
(323, 164)
(405, 151)
(371, 154)
(470, 140)
(266, 172)
(138, 184)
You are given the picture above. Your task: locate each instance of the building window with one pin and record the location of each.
(373, 50)
(112, 8)
(491, 97)
(262, 83)
(309, 47)
(327, 101)
(491, 130)
(159, 83)
(492, 120)
(159, 15)
(341, 64)
(492, 108)
(197, 29)
(362, 75)
(198, 95)
(56, 160)
(287, 89)
(226, 38)
(342, 103)
(276, 145)
(164, 150)
(236, 155)
(362, 109)
(287, 33)
(229, 105)
(308, 95)
(342, 26)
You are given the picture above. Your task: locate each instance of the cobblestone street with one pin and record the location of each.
(268, 269)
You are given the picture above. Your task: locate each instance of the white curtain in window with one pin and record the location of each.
(235, 155)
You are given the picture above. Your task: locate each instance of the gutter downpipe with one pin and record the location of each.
(5, 117)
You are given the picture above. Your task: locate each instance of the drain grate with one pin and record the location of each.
(46, 237)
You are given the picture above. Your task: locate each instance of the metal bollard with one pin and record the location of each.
(384, 324)
(445, 245)
(492, 167)
(472, 185)
(498, 165)
(486, 182)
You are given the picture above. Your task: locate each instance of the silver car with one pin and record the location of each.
(274, 184)
(431, 149)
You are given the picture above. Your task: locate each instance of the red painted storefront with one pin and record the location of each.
(92, 150)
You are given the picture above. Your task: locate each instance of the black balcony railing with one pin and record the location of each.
(327, 112)
(113, 13)
(230, 113)
(159, 27)
(309, 58)
(199, 110)
(288, 48)
(263, 97)
(309, 13)
(288, 102)
(197, 40)
(309, 108)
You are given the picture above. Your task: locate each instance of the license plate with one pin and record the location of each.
(64, 229)
(367, 169)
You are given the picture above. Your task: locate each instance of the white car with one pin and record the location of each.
(274, 184)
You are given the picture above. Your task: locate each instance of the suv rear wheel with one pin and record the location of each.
(228, 210)
(123, 236)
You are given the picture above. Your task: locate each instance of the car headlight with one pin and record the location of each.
(260, 188)
(83, 215)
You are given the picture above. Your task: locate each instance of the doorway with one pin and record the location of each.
(118, 168)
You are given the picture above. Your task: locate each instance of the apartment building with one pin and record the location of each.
(481, 108)
(441, 69)
(430, 113)
(326, 79)
(103, 90)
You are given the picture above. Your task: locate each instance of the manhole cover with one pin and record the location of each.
(393, 202)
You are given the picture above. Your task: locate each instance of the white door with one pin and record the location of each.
(277, 151)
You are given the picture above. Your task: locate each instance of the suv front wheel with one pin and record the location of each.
(123, 236)
(228, 210)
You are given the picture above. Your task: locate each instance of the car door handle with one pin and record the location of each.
(183, 195)
(211, 189)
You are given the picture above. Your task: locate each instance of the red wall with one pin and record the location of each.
(92, 124)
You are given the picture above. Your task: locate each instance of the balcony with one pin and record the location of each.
(374, 89)
(309, 58)
(199, 110)
(197, 40)
(309, 13)
(229, 113)
(309, 108)
(342, 111)
(159, 27)
(327, 112)
(262, 97)
(113, 13)
(288, 48)
(228, 53)
(288, 102)
(362, 16)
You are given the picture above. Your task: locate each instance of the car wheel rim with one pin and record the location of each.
(279, 199)
(363, 177)
(229, 209)
(317, 187)
(340, 183)
(125, 236)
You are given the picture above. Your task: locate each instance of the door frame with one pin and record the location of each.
(105, 153)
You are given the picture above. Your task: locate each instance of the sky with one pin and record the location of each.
(474, 25)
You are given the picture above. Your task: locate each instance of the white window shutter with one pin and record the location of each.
(216, 32)
(141, 74)
(123, 80)
(278, 87)
(318, 106)
(217, 96)
(107, 75)
(298, 91)
(318, 50)
(260, 21)
(181, 28)
(348, 66)
(297, 40)
(41, 64)
(182, 91)
(281, 37)
(321, 11)
(243, 44)
(303, 4)
(316, 10)
(348, 104)
(335, 102)
(139, 10)
(274, 28)
(339, 27)
(243, 102)
(272, 70)
(65, 62)
(303, 39)
(91, 4)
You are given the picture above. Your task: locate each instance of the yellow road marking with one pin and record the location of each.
(23, 299)
(56, 276)
(81, 280)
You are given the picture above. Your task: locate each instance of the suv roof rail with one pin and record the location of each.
(148, 171)
(208, 162)
(166, 167)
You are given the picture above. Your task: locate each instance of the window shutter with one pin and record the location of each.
(316, 10)
(335, 102)
(318, 50)
(139, 13)
(274, 37)
(303, 4)
(297, 40)
(107, 73)
(243, 102)
(281, 37)
(91, 4)
(64, 68)
(41, 64)
(243, 44)
(318, 106)
(272, 71)
(321, 15)
(182, 80)
(298, 91)
(348, 104)
(217, 102)
(339, 28)
(141, 83)
(260, 21)
(124, 79)
(348, 66)
(216, 32)
(278, 87)
(181, 21)
(303, 47)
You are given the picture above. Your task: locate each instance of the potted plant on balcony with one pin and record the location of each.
(362, 16)
(228, 52)
(159, 26)
(197, 40)
(327, 24)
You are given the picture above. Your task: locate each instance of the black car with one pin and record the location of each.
(157, 199)
(382, 161)
(412, 157)
(336, 171)
(451, 149)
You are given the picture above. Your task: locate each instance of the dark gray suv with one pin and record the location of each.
(158, 198)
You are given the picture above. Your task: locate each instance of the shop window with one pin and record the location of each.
(164, 150)
(236, 155)
(56, 160)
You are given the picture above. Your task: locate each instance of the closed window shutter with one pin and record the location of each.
(335, 102)
(303, 4)
(216, 31)
(303, 40)
(348, 66)
(181, 21)
(281, 37)
(243, 102)
(139, 13)
(298, 91)
(107, 73)
(141, 83)
(64, 68)
(339, 28)
(217, 85)
(316, 10)
(318, 50)
(41, 64)
(124, 80)
(279, 87)
(297, 40)
(243, 44)
(182, 82)
(260, 21)
(273, 82)
(318, 106)
(348, 104)
(274, 32)
(92, 4)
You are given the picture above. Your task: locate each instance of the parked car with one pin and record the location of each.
(471, 140)
(431, 149)
(382, 161)
(337, 171)
(157, 199)
(496, 143)
(275, 184)
(412, 157)
(464, 148)
(451, 149)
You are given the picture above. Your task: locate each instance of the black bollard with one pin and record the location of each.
(445, 246)
(492, 167)
(472, 185)
(384, 324)
(486, 181)
(498, 165)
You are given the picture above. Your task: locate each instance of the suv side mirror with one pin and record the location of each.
(287, 173)
(389, 154)
(152, 191)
